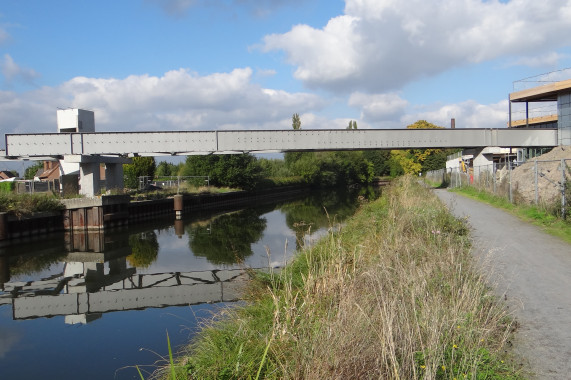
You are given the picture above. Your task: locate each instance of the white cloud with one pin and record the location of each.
(328, 55)
(379, 107)
(379, 45)
(13, 72)
(178, 100)
(468, 114)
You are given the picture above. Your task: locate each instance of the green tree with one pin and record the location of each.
(141, 166)
(380, 160)
(144, 248)
(296, 121)
(352, 125)
(166, 169)
(304, 164)
(418, 160)
(272, 168)
(328, 169)
(231, 170)
(403, 162)
(31, 171)
(291, 157)
(229, 237)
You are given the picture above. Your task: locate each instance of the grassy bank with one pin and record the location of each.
(393, 295)
(540, 216)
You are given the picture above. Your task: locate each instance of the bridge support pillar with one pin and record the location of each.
(89, 178)
(114, 176)
(89, 169)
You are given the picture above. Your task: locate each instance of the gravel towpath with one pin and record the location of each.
(532, 271)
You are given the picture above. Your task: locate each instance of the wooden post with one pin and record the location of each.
(178, 206)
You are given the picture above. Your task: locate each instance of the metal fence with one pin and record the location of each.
(174, 182)
(33, 187)
(543, 183)
(541, 79)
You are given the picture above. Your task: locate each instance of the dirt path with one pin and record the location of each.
(533, 272)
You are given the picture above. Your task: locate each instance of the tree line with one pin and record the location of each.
(322, 169)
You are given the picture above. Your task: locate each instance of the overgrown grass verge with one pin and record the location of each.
(539, 216)
(26, 204)
(393, 295)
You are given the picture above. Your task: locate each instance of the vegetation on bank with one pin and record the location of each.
(26, 204)
(546, 217)
(393, 294)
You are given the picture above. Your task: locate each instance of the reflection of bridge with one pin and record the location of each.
(97, 279)
(88, 293)
(90, 149)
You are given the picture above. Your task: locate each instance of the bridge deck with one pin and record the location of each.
(205, 142)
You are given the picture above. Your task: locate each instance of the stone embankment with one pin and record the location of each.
(99, 213)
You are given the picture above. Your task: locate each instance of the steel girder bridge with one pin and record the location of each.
(115, 148)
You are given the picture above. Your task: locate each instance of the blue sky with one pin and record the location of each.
(250, 64)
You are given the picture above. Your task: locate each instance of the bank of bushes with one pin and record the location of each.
(394, 294)
(26, 204)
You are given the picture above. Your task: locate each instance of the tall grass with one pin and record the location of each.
(394, 294)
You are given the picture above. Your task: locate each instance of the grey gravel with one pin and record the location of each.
(532, 271)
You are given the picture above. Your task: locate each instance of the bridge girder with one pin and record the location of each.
(227, 142)
(88, 149)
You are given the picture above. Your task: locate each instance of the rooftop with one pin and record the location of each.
(542, 88)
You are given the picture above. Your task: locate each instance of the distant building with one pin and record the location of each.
(4, 175)
(550, 97)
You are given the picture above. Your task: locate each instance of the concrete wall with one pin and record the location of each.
(564, 119)
(75, 120)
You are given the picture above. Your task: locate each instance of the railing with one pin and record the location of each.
(543, 183)
(545, 110)
(541, 79)
(33, 187)
(175, 182)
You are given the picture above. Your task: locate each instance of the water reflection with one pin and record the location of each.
(117, 286)
(96, 279)
(144, 248)
(323, 210)
(227, 239)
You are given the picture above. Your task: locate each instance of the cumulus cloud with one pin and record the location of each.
(379, 107)
(13, 72)
(379, 45)
(468, 114)
(178, 100)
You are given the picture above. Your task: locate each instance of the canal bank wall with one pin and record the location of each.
(116, 211)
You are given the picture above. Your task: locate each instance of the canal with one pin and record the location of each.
(92, 306)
